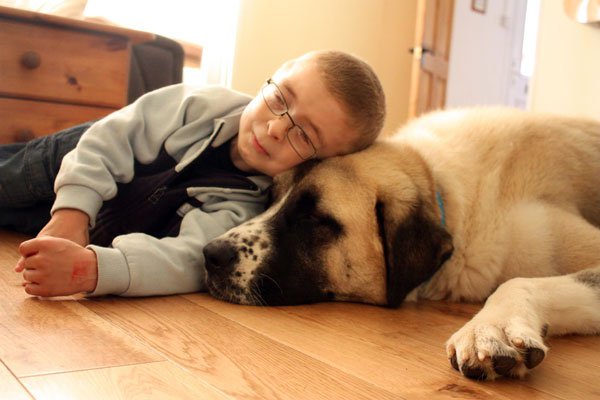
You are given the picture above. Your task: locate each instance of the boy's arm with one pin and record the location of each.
(141, 265)
(137, 264)
(173, 118)
(106, 153)
(104, 156)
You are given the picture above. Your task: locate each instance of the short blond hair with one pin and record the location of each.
(354, 83)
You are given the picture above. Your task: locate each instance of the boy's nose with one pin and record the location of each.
(278, 126)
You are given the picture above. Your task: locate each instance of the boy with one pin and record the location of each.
(148, 186)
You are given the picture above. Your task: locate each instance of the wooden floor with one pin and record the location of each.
(195, 347)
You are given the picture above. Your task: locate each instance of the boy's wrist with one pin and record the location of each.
(68, 223)
(72, 217)
(88, 271)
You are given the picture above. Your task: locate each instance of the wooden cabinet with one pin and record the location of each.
(57, 72)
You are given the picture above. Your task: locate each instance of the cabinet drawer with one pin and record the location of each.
(65, 65)
(22, 120)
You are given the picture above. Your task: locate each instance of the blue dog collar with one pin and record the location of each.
(440, 201)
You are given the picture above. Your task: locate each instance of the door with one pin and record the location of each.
(431, 52)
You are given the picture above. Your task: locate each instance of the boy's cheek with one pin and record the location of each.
(253, 107)
(257, 111)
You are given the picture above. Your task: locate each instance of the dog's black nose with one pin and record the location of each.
(220, 256)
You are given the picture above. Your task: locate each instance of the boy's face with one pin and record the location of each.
(262, 145)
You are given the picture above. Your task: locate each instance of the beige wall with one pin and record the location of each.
(378, 31)
(567, 73)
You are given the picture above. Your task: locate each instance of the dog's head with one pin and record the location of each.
(363, 227)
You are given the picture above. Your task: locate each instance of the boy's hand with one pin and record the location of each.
(57, 267)
(69, 224)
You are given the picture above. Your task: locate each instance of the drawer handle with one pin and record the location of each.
(24, 135)
(31, 60)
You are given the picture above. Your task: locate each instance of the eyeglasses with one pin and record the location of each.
(295, 135)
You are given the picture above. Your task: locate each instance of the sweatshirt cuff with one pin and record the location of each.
(113, 271)
(80, 198)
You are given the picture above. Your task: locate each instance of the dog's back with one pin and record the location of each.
(513, 155)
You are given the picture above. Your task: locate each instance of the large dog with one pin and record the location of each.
(459, 205)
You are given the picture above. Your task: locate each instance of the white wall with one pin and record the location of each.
(566, 79)
(379, 31)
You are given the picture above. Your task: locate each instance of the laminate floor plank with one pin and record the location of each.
(10, 387)
(230, 357)
(160, 380)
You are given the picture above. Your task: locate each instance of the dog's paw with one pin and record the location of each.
(489, 349)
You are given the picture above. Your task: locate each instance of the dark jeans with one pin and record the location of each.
(27, 173)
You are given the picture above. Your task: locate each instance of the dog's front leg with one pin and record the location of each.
(506, 338)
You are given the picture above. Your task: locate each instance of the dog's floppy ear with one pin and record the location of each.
(415, 247)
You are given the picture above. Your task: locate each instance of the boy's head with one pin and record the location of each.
(322, 104)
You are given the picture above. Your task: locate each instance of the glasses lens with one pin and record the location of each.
(274, 99)
(301, 142)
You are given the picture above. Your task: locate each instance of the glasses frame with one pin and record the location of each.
(294, 124)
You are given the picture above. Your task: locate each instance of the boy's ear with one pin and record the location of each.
(415, 247)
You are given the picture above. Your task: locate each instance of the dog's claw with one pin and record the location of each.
(534, 357)
(476, 373)
(453, 362)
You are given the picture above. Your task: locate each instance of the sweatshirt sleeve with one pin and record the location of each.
(106, 153)
(141, 265)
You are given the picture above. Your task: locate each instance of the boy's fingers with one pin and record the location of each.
(31, 275)
(31, 262)
(20, 265)
(35, 289)
(32, 289)
(29, 247)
